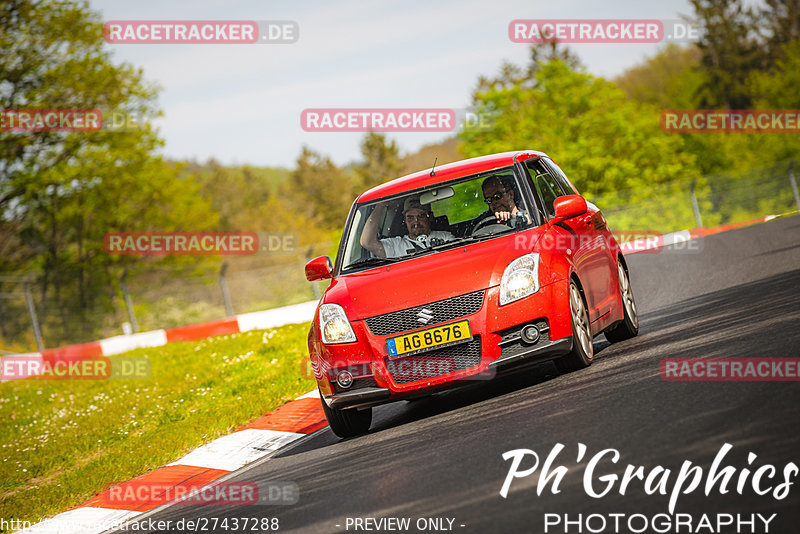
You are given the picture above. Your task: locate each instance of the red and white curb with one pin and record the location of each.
(297, 313)
(660, 241)
(204, 465)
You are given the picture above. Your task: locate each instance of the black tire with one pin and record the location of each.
(629, 326)
(347, 423)
(582, 352)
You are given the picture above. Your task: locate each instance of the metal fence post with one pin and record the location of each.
(224, 287)
(794, 185)
(37, 332)
(695, 206)
(128, 304)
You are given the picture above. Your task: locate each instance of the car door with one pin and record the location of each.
(584, 233)
(604, 272)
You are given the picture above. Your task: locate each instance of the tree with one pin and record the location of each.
(674, 79)
(670, 79)
(236, 192)
(604, 141)
(539, 54)
(319, 192)
(381, 161)
(442, 153)
(777, 89)
(731, 52)
(780, 23)
(61, 192)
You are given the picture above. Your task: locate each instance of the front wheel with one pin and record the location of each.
(347, 423)
(629, 326)
(582, 351)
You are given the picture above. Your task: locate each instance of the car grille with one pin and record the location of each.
(436, 362)
(442, 311)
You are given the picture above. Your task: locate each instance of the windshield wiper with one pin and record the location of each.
(493, 234)
(446, 244)
(372, 261)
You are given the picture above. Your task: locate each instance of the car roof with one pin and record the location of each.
(447, 172)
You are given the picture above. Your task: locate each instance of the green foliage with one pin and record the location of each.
(603, 141)
(678, 78)
(236, 193)
(670, 79)
(779, 88)
(62, 192)
(319, 192)
(731, 51)
(443, 152)
(780, 26)
(381, 161)
(64, 441)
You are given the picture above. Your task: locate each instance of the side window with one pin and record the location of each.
(560, 177)
(547, 187)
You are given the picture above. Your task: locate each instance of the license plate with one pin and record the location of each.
(432, 338)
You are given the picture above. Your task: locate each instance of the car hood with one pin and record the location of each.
(429, 278)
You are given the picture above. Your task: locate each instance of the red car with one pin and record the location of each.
(454, 273)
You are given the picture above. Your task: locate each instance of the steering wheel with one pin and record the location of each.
(488, 225)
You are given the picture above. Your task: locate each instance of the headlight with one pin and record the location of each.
(520, 279)
(334, 325)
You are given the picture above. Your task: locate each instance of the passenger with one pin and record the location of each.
(418, 219)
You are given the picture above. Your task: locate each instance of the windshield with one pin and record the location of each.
(434, 218)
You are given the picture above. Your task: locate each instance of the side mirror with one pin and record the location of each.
(319, 268)
(569, 206)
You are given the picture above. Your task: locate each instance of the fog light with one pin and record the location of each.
(344, 379)
(530, 334)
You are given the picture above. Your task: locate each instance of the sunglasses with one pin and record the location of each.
(494, 198)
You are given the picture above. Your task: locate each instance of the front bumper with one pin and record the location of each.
(497, 346)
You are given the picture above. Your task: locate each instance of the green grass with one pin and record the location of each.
(63, 441)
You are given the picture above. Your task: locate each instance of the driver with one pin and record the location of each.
(418, 222)
(500, 196)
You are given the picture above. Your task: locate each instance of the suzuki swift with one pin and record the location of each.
(455, 273)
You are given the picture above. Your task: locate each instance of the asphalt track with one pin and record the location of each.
(738, 295)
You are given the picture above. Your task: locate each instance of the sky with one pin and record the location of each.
(241, 103)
